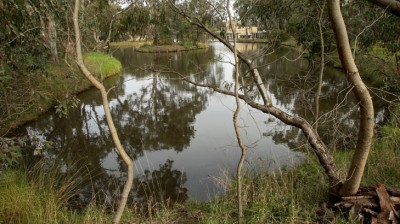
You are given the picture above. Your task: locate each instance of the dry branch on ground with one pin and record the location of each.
(372, 205)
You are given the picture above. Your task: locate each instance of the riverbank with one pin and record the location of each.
(171, 48)
(134, 44)
(148, 47)
(56, 88)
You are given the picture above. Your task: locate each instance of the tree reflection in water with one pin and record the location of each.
(162, 187)
(158, 113)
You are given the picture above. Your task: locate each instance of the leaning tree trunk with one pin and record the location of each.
(125, 157)
(365, 134)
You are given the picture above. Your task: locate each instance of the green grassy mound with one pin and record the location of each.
(101, 64)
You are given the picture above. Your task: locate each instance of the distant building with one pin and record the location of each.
(243, 32)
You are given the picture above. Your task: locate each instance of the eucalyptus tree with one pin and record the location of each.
(272, 16)
(135, 21)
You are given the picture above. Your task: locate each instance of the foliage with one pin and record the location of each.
(367, 24)
(63, 106)
(40, 93)
(378, 65)
(9, 156)
(102, 65)
(135, 21)
(374, 24)
(390, 133)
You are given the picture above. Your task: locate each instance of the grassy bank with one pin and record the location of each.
(102, 65)
(134, 44)
(56, 86)
(148, 47)
(170, 48)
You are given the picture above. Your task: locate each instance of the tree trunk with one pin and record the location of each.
(398, 63)
(321, 73)
(235, 122)
(127, 160)
(52, 38)
(365, 134)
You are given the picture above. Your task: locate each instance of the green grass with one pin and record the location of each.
(102, 65)
(286, 196)
(22, 202)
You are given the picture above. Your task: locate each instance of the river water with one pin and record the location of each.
(182, 137)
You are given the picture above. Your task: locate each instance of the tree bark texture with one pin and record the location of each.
(365, 134)
(52, 38)
(125, 157)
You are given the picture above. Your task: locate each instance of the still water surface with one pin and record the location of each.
(182, 137)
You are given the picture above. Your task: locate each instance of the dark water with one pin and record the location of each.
(181, 137)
